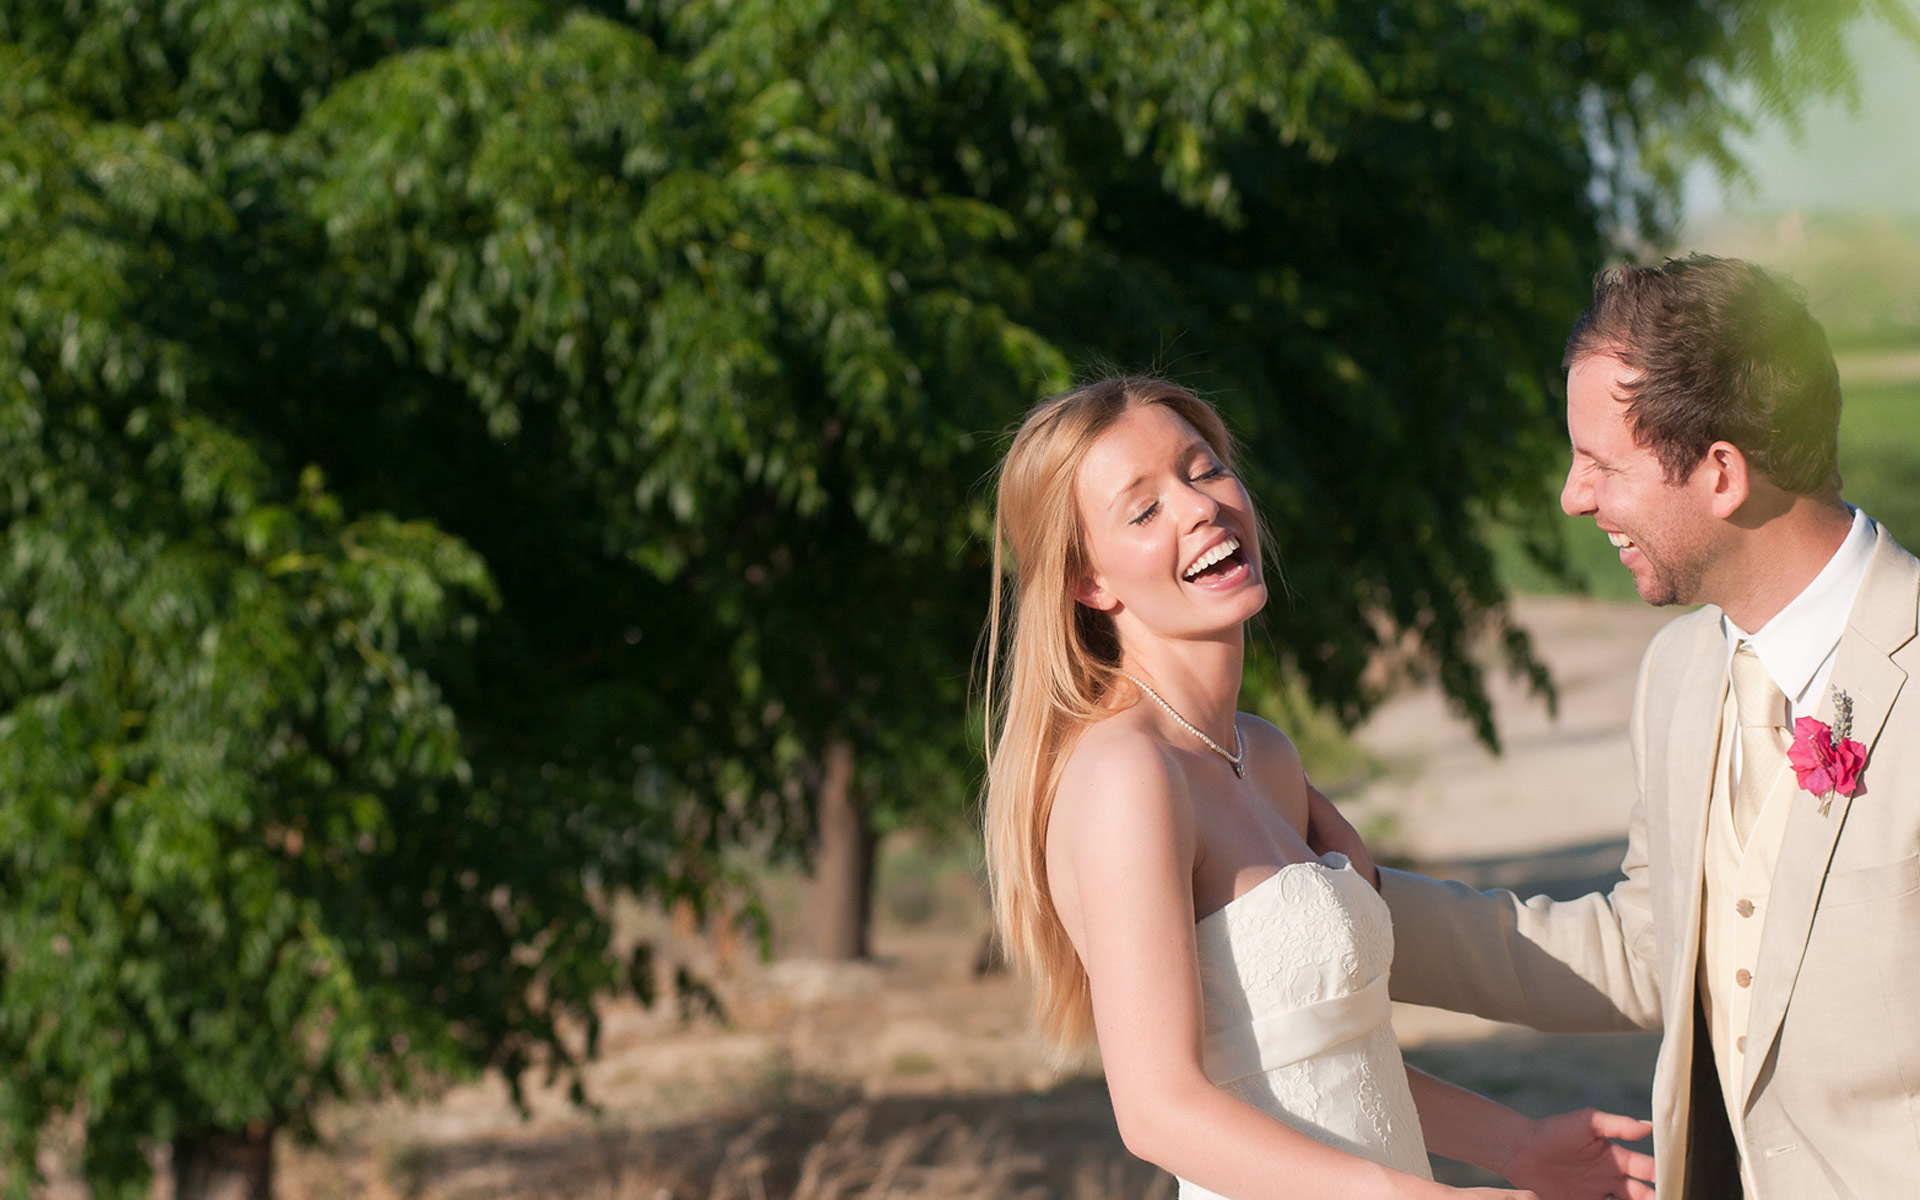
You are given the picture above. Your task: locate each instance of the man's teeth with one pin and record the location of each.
(1620, 540)
(1213, 556)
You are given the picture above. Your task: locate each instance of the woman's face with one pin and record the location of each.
(1170, 532)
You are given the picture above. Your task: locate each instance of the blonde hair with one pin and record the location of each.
(1063, 658)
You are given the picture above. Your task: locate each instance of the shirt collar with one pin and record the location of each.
(1801, 636)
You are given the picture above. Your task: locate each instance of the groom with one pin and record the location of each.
(1769, 921)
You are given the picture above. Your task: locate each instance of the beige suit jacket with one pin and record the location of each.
(1832, 1087)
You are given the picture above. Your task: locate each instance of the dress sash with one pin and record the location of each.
(1277, 1039)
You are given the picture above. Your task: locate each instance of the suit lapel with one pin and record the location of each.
(1882, 620)
(1692, 749)
(1692, 738)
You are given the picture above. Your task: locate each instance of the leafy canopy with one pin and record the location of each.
(458, 461)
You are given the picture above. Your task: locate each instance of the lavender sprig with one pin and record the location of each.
(1842, 716)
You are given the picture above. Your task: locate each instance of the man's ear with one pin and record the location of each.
(1728, 480)
(1092, 593)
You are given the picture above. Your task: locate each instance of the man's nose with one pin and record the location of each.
(1576, 494)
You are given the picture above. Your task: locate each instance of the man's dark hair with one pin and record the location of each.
(1724, 351)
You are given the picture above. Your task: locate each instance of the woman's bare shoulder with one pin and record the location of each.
(1120, 767)
(1122, 831)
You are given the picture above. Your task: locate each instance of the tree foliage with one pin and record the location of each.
(458, 460)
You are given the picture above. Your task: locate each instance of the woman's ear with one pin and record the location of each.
(1092, 593)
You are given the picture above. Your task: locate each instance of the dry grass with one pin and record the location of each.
(910, 1077)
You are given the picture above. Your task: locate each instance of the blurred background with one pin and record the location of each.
(494, 515)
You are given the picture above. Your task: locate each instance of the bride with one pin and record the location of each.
(1147, 844)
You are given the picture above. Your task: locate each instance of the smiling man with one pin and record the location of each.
(1769, 921)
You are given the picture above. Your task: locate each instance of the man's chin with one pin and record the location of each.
(1658, 592)
(1650, 587)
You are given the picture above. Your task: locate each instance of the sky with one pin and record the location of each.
(1844, 161)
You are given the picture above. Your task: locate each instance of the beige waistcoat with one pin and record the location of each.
(1738, 884)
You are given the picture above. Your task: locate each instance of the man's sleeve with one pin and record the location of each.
(1572, 966)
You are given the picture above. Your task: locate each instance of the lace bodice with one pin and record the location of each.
(1293, 978)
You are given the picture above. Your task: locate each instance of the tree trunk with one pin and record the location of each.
(231, 1164)
(842, 863)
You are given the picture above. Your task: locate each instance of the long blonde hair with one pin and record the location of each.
(1063, 660)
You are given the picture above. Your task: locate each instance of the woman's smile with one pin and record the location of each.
(1220, 566)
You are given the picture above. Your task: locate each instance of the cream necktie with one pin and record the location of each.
(1762, 714)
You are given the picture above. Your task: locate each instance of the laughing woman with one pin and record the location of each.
(1147, 843)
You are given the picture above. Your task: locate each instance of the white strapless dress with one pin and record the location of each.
(1293, 982)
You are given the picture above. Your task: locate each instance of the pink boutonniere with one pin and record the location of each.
(1825, 760)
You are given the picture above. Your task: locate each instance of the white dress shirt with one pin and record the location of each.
(1797, 646)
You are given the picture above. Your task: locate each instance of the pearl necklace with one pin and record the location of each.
(1239, 744)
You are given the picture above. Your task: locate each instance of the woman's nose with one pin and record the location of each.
(1197, 506)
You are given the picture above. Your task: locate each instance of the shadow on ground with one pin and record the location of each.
(1561, 874)
(1031, 1146)
(812, 1139)
(1059, 1144)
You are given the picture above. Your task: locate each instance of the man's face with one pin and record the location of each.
(1665, 531)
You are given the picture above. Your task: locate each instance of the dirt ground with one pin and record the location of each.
(914, 1076)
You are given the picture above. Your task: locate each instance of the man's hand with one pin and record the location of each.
(1327, 830)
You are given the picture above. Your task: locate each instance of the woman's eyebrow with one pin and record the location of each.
(1197, 446)
(1118, 495)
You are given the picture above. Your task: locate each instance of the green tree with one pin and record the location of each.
(248, 863)
(461, 460)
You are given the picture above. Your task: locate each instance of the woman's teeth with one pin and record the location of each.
(1213, 556)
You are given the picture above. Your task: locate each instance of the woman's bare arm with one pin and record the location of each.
(1571, 1156)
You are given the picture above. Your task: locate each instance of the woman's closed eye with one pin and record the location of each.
(1146, 514)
